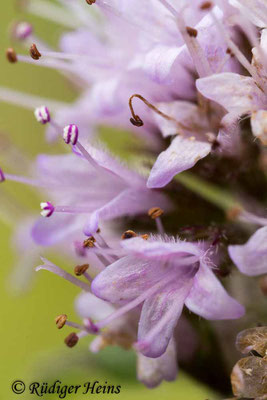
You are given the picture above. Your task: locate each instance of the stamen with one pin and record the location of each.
(191, 31)
(21, 30)
(71, 134)
(34, 52)
(71, 340)
(145, 236)
(137, 121)
(42, 115)
(90, 2)
(206, 5)
(80, 270)
(11, 55)
(128, 235)
(47, 209)
(89, 243)
(63, 274)
(155, 213)
(61, 321)
(198, 56)
(90, 326)
(2, 176)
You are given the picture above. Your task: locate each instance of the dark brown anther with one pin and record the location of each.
(155, 212)
(71, 340)
(61, 321)
(90, 2)
(229, 51)
(206, 5)
(128, 235)
(89, 243)
(137, 121)
(263, 284)
(79, 270)
(11, 55)
(34, 52)
(191, 31)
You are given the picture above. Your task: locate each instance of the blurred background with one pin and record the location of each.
(31, 347)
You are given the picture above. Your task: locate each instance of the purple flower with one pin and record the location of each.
(163, 276)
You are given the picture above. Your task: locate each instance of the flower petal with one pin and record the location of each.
(236, 93)
(152, 371)
(125, 279)
(159, 317)
(181, 155)
(251, 258)
(90, 306)
(209, 299)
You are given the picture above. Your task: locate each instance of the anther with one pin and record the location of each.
(71, 340)
(42, 115)
(61, 320)
(128, 235)
(47, 209)
(206, 5)
(230, 52)
(155, 212)
(2, 176)
(90, 2)
(34, 52)
(136, 121)
(11, 55)
(71, 134)
(21, 30)
(191, 31)
(79, 270)
(233, 213)
(89, 243)
(145, 236)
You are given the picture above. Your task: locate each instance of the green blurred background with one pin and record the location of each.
(31, 347)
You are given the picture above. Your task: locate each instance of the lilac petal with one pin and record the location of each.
(251, 258)
(183, 111)
(159, 317)
(128, 202)
(209, 299)
(156, 248)
(181, 155)
(236, 93)
(152, 371)
(254, 10)
(49, 231)
(125, 279)
(229, 135)
(90, 306)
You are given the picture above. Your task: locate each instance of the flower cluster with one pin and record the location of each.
(190, 82)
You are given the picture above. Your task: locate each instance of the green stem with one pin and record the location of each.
(220, 198)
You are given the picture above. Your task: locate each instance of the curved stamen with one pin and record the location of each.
(137, 121)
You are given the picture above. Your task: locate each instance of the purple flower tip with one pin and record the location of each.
(22, 30)
(42, 115)
(71, 134)
(47, 209)
(91, 326)
(2, 176)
